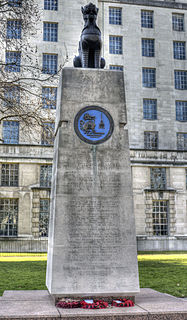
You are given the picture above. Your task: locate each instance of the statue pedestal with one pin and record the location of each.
(92, 244)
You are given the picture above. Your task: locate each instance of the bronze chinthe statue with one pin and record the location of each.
(90, 42)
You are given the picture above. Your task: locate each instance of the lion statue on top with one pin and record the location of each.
(90, 42)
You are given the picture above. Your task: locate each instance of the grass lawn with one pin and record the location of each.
(164, 272)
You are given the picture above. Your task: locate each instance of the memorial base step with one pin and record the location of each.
(149, 305)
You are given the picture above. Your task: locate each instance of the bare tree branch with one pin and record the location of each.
(21, 76)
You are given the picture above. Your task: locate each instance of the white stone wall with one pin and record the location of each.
(175, 193)
(133, 63)
(29, 159)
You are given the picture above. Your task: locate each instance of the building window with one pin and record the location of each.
(9, 175)
(149, 78)
(51, 5)
(49, 97)
(48, 133)
(44, 217)
(151, 140)
(148, 47)
(182, 141)
(45, 176)
(11, 132)
(50, 31)
(115, 45)
(115, 15)
(150, 109)
(13, 61)
(50, 63)
(178, 22)
(160, 218)
(15, 3)
(181, 110)
(13, 29)
(11, 96)
(179, 50)
(112, 67)
(158, 178)
(8, 217)
(180, 80)
(147, 19)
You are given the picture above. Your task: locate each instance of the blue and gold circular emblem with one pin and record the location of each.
(93, 125)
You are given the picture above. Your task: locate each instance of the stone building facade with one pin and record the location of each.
(147, 40)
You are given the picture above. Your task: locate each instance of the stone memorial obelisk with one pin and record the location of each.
(92, 244)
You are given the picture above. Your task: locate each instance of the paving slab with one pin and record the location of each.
(27, 309)
(100, 312)
(154, 301)
(31, 305)
(106, 317)
(30, 295)
(161, 306)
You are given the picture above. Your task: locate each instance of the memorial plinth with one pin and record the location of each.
(92, 244)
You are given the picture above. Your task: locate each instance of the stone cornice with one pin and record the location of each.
(151, 3)
(158, 157)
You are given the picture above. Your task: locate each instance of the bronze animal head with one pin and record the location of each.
(90, 12)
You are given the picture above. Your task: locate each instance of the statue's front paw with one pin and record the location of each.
(103, 63)
(77, 62)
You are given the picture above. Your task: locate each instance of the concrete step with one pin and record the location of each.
(150, 305)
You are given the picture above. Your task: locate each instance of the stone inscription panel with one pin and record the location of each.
(93, 172)
(98, 221)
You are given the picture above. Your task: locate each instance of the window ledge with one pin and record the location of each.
(41, 188)
(160, 190)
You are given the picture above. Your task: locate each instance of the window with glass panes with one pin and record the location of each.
(115, 45)
(182, 141)
(178, 21)
(50, 63)
(14, 3)
(49, 97)
(158, 178)
(44, 217)
(11, 132)
(13, 29)
(9, 174)
(146, 19)
(8, 217)
(179, 50)
(149, 77)
(48, 133)
(51, 5)
(50, 31)
(150, 109)
(151, 140)
(181, 110)
(160, 217)
(11, 95)
(113, 67)
(180, 80)
(148, 47)
(45, 175)
(13, 61)
(115, 15)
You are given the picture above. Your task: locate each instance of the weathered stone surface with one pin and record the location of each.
(37, 304)
(29, 295)
(92, 246)
(28, 309)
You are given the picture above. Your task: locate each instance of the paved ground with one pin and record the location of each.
(150, 305)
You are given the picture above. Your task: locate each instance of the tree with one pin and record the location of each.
(22, 77)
